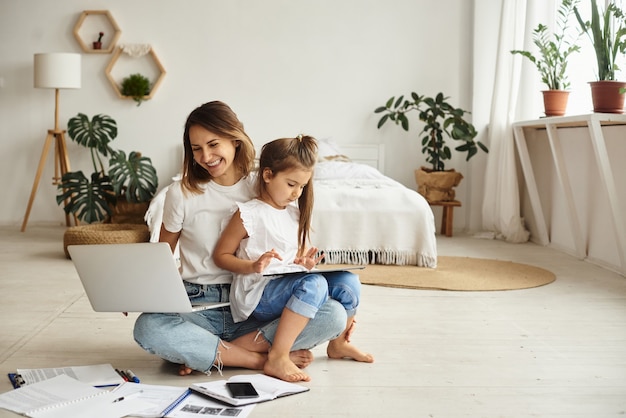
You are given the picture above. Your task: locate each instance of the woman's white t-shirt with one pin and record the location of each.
(199, 218)
(268, 228)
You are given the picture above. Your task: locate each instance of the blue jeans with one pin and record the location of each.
(305, 293)
(193, 338)
(345, 288)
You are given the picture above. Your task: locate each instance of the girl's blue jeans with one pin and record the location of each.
(305, 293)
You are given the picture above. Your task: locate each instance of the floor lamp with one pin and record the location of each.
(54, 71)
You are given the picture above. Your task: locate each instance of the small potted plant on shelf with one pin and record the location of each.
(552, 59)
(441, 120)
(136, 86)
(607, 33)
(98, 44)
(128, 181)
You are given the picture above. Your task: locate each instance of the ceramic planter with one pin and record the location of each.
(606, 96)
(555, 102)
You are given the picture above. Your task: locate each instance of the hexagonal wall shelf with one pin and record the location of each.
(95, 21)
(117, 85)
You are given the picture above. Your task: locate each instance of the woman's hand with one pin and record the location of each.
(309, 260)
(264, 261)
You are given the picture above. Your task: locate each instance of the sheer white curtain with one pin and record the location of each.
(509, 102)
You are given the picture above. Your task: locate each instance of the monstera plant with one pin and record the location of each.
(130, 179)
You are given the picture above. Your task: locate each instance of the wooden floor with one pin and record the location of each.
(553, 351)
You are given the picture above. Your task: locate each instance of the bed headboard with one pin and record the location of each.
(370, 154)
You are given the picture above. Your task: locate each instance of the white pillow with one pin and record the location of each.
(336, 170)
(326, 147)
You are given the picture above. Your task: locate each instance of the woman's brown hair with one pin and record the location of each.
(218, 118)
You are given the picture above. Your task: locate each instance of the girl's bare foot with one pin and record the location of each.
(285, 369)
(340, 348)
(301, 358)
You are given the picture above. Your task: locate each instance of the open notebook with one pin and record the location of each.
(137, 277)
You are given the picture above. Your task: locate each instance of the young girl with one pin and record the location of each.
(218, 159)
(269, 235)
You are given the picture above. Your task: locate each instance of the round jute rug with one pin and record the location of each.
(458, 273)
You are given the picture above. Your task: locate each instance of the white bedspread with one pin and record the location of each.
(372, 220)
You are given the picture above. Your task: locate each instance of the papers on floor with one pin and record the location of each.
(178, 402)
(62, 396)
(94, 375)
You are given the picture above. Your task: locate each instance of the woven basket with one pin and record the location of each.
(105, 234)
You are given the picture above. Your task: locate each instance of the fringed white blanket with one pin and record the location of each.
(367, 221)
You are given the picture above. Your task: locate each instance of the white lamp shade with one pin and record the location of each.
(57, 71)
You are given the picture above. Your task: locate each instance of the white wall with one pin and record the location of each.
(285, 66)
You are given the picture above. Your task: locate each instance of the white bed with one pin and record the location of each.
(364, 217)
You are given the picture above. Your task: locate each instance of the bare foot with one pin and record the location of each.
(301, 358)
(339, 348)
(285, 369)
(184, 370)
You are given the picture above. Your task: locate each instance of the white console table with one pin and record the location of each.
(594, 123)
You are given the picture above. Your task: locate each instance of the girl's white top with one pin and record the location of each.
(268, 228)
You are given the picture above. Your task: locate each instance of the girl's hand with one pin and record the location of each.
(264, 261)
(309, 260)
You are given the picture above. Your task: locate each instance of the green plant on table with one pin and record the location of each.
(554, 48)
(441, 120)
(133, 179)
(607, 33)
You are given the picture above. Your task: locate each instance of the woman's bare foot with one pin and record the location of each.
(184, 370)
(301, 358)
(340, 348)
(283, 368)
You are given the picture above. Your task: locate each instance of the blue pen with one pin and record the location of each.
(132, 376)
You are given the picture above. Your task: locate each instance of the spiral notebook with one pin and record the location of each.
(63, 396)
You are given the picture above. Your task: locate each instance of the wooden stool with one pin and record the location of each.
(448, 217)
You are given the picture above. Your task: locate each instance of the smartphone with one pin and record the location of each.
(242, 390)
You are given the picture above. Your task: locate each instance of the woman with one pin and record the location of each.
(218, 159)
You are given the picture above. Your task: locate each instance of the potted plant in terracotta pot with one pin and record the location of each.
(98, 44)
(126, 182)
(441, 120)
(552, 59)
(607, 32)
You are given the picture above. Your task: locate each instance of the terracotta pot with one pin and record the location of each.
(555, 102)
(97, 45)
(437, 186)
(607, 97)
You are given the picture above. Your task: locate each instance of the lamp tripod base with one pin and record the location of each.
(61, 166)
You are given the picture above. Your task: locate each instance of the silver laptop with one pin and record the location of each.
(138, 277)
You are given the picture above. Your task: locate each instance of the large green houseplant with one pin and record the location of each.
(607, 32)
(130, 179)
(554, 50)
(441, 121)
